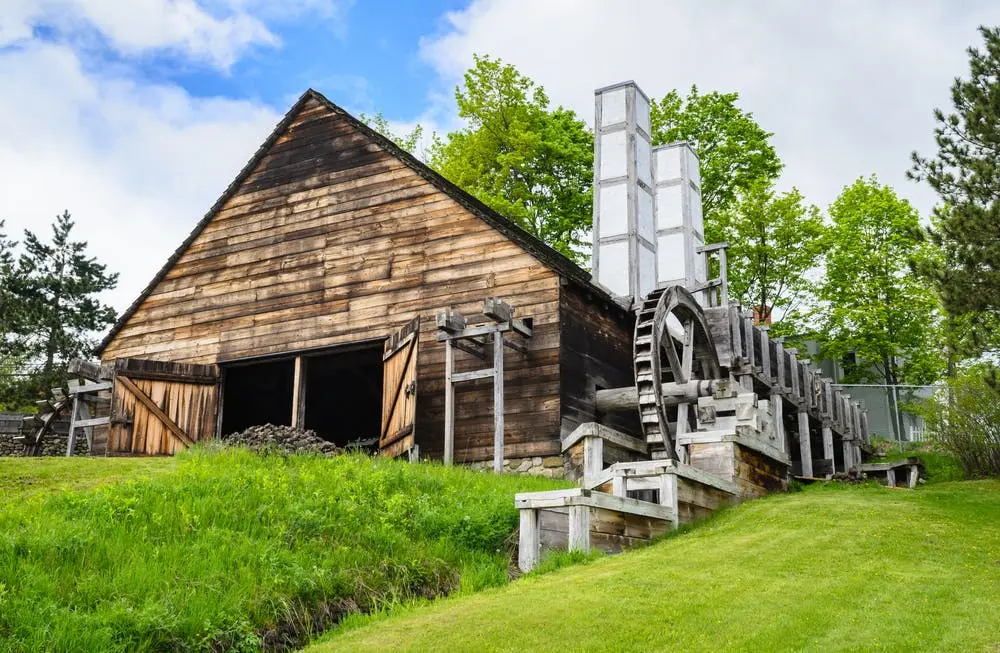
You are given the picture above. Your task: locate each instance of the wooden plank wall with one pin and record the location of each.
(596, 353)
(332, 240)
(191, 407)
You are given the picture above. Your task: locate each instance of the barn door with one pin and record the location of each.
(159, 407)
(399, 390)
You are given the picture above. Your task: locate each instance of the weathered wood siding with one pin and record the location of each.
(332, 240)
(596, 353)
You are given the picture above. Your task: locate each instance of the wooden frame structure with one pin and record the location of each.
(455, 332)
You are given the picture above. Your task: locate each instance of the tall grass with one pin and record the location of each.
(232, 550)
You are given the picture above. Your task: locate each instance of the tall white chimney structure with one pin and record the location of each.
(648, 222)
(624, 255)
(680, 229)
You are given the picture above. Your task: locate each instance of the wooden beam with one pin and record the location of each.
(157, 412)
(449, 405)
(299, 393)
(497, 309)
(460, 377)
(623, 399)
(71, 440)
(90, 387)
(498, 401)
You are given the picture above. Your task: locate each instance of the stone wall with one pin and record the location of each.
(54, 444)
(548, 466)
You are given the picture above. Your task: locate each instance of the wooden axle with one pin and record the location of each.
(622, 399)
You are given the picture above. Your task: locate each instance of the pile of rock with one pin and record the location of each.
(282, 438)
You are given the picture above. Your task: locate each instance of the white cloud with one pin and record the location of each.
(180, 26)
(848, 88)
(136, 164)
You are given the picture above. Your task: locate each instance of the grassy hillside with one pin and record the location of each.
(829, 568)
(228, 550)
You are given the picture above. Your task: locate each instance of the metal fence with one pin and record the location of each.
(892, 409)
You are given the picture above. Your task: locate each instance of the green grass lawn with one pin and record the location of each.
(828, 568)
(27, 478)
(221, 550)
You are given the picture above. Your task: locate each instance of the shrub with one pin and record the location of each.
(965, 422)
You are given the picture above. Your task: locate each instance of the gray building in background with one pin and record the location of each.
(877, 399)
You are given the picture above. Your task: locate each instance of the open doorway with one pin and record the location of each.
(342, 389)
(344, 396)
(257, 393)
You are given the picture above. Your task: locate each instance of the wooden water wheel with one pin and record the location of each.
(672, 343)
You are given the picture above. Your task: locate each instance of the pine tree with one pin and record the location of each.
(965, 173)
(60, 284)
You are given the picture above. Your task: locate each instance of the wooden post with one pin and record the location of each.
(914, 476)
(497, 402)
(765, 356)
(668, 495)
(828, 447)
(890, 477)
(779, 351)
(449, 405)
(848, 454)
(579, 529)
(805, 446)
(299, 394)
(778, 415)
(88, 431)
(793, 369)
(748, 339)
(593, 455)
(618, 487)
(71, 440)
(528, 543)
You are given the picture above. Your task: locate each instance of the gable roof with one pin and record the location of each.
(531, 244)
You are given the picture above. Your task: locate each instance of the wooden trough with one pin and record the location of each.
(896, 472)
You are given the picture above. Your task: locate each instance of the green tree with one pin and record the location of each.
(874, 306)
(965, 172)
(60, 284)
(775, 240)
(408, 141)
(529, 162)
(735, 152)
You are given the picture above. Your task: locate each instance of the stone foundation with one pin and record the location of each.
(54, 444)
(548, 466)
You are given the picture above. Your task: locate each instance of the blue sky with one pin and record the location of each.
(136, 115)
(370, 63)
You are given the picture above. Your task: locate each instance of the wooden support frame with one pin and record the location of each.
(456, 333)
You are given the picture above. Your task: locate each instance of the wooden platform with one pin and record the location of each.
(581, 519)
(895, 472)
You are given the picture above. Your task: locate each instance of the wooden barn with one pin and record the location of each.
(308, 296)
